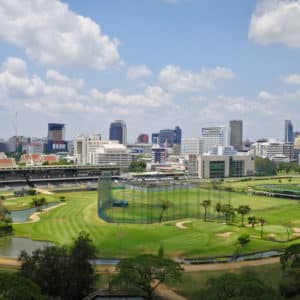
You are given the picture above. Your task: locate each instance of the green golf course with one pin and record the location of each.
(196, 239)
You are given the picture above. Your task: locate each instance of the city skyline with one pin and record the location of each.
(193, 75)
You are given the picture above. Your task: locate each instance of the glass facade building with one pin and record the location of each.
(118, 131)
(288, 131)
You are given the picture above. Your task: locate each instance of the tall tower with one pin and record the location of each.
(236, 134)
(118, 131)
(288, 131)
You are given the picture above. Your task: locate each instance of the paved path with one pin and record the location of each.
(231, 265)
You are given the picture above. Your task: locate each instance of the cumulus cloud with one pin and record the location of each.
(176, 79)
(292, 79)
(60, 79)
(54, 35)
(276, 21)
(266, 96)
(58, 93)
(139, 71)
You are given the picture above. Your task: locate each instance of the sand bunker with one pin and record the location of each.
(43, 191)
(180, 225)
(224, 234)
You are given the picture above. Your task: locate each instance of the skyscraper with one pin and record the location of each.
(288, 131)
(170, 136)
(236, 134)
(214, 137)
(143, 138)
(56, 138)
(118, 131)
(178, 134)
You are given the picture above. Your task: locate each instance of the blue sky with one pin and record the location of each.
(155, 64)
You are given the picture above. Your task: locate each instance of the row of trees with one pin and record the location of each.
(266, 167)
(229, 212)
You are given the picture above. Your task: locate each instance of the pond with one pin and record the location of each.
(21, 216)
(12, 246)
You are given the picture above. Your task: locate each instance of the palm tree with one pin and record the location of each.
(228, 211)
(243, 210)
(205, 204)
(262, 222)
(164, 206)
(252, 220)
(218, 209)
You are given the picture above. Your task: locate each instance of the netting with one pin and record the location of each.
(145, 203)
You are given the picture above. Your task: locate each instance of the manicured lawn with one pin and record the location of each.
(62, 224)
(18, 203)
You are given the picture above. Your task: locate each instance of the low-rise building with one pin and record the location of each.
(274, 150)
(111, 154)
(220, 166)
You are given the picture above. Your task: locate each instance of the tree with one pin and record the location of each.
(206, 204)
(243, 210)
(290, 262)
(38, 203)
(218, 209)
(252, 221)
(15, 287)
(62, 198)
(244, 239)
(61, 273)
(164, 206)
(232, 286)
(146, 272)
(5, 220)
(265, 167)
(228, 212)
(83, 275)
(262, 222)
(137, 166)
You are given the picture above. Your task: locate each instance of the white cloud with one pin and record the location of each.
(54, 35)
(60, 79)
(139, 71)
(152, 97)
(276, 21)
(266, 96)
(292, 79)
(58, 93)
(176, 79)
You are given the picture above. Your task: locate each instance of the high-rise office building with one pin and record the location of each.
(56, 132)
(56, 138)
(178, 134)
(118, 131)
(155, 138)
(214, 137)
(236, 134)
(167, 137)
(170, 137)
(288, 131)
(143, 139)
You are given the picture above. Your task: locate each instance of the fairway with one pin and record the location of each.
(200, 238)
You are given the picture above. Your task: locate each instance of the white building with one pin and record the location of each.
(192, 145)
(274, 150)
(220, 166)
(214, 137)
(85, 146)
(111, 154)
